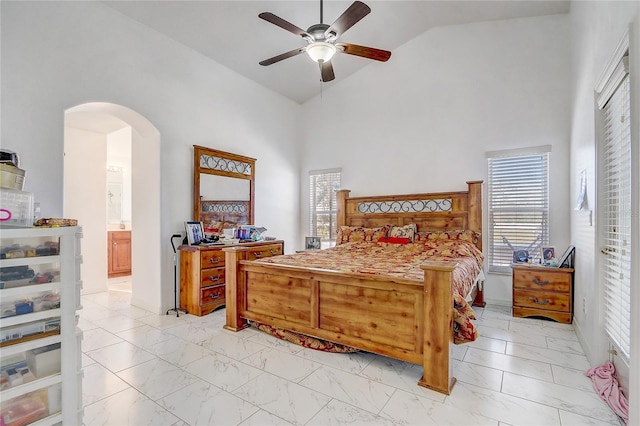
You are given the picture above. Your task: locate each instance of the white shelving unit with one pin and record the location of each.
(61, 391)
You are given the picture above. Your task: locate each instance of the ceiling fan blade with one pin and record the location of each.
(365, 52)
(276, 20)
(349, 17)
(326, 71)
(282, 56)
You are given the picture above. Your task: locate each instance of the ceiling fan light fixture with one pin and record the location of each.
(321, 51)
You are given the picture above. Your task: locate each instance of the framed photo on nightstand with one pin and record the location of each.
(312, 243)
(548, 254)
(566, 260)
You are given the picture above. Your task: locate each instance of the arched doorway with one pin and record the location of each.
(87, 130)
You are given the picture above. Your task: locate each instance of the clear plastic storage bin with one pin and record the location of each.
(16, 208)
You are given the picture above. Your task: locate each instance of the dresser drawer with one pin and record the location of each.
(212, 276)
(542, 300)
(211, 259)
(211, 295)
(264, 251)
(542, 280)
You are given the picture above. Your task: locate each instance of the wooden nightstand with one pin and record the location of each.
(543, 292)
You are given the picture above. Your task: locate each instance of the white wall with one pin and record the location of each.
(85, 150)
(597, 28)
(423, 121)
(56, 55)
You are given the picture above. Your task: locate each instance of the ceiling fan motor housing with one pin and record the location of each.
(317, 31)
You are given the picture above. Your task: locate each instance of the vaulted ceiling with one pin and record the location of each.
(231, 33)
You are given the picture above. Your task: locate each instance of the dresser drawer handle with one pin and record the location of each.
(215, 296)
(216, 278)
(214, 259)
(274, 252)
(536, 281)
(545, 302)
(257, 253)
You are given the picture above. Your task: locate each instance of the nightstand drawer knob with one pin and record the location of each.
(214, 259)
(536, 281)
(545, 302)
(217, 277)
(274, 252)
(215, 296)
(257, 254)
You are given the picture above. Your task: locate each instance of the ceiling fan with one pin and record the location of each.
(321, 39)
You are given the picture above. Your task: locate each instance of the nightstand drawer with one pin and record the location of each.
(211, 259)
(542, 280)
(211, 277)
(542, 300)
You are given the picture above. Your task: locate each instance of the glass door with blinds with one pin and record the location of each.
(614, 199)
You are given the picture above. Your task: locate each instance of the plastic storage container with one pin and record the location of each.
(16, 208)
(11, 176)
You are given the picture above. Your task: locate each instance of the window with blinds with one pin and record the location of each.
(323, 205)
(615, 207)
(518, 193)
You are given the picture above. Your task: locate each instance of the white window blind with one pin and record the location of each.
(518, 192)
(323, 185)
(615, 213)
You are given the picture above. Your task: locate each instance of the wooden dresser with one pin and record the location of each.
(543, 292)
(202, 273)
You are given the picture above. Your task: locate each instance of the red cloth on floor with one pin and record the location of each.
(606, 385)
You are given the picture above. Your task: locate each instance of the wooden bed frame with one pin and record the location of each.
(394, 317)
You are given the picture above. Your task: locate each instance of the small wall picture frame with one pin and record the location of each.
(195, 232)
(312, 243)
(548, 254)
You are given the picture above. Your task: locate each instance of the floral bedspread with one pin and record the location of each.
(403, 261)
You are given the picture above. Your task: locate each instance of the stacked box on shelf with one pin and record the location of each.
(17, 208)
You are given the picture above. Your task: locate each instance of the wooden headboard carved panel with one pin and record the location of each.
(439, 211)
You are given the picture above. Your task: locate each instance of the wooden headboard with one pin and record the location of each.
(439, 211)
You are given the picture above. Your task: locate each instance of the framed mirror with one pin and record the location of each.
(223, 189)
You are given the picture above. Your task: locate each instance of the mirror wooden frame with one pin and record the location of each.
(214, 162)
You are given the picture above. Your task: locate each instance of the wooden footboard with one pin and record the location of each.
(398, 318)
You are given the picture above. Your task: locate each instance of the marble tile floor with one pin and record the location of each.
(141, 368)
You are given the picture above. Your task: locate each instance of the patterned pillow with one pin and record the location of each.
(350, 234)
(458, 234)
(406, 231)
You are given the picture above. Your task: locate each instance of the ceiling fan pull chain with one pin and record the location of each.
(320, 66)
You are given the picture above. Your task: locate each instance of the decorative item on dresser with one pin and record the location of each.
(540, 291)
(410, 319)
(202, 273)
